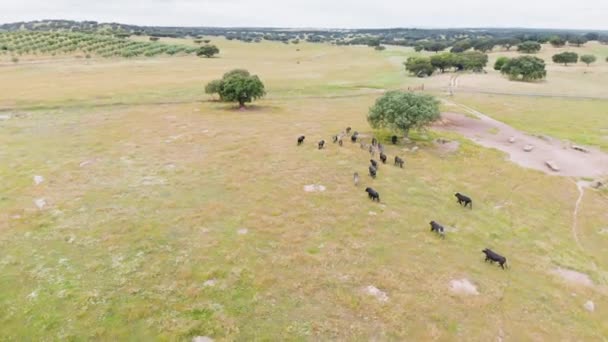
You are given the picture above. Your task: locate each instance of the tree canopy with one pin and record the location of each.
(565, 58)
(207, 51)
(443, 61)
(577, 40)
(237, 85)
(529, 47)
(588, 59)
(500, 61)
(401, 111)
(419, 66)
(557, 41)
(525, 68)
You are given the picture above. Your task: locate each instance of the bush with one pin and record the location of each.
(401, 111)
(529, 47)
(588, 59)
(500, 62)
(419, 66)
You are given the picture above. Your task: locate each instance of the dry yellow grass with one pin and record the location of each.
(145, 202)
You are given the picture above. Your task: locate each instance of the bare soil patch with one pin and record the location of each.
(495, 134)
(573, 277)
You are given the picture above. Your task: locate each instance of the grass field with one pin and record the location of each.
(169, 216)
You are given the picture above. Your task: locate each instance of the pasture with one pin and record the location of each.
(167, 215)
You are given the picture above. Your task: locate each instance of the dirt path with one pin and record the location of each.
(495, 134)
(581, 193)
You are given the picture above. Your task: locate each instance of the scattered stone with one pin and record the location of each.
(314, 188)
(442, 141)
(70, 239)
(528, 148)
(544, 137)
(603, 231)
(597, 184)
(40, 203)
(580, 148)
(372, 213)
(85, 163)
(202, 339)
(375, 292)
(5, 116)
(242, 231)
(573, 276)
(512, 140)
(552, 165)
(38, 179)
(463, 286)
(33, 295)
(414, 149)
(589, 306)
(210, 283)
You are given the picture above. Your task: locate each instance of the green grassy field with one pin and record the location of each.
(169, 216)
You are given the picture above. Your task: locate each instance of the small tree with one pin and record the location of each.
(557, 41)
(500, 62)
(525, 68)
(508, 43)
(529, 47)
(239, 86)
(401, 111)
(213, 87)
(419, 66)
(565, 58)
(588, 59)
(207, 51)
(577, 41)
(206, 41)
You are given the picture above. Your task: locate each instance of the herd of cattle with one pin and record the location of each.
(376, 148)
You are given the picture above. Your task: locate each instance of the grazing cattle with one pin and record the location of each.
(399, 162)
(437, 228)
(321, 144)
(335, 139)
(353, 138)
(495, 257)
(373, 194)
(374, 141)
(464, 200)
(372, 171)
(348, 130)
(374, 163)
(356, 178)
(301, 140)
(340, 142)
(371, 150)
(383, 158)
(394, 139)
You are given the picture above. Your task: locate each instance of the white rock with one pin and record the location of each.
(40, 203)
(314, 188)
(85, 163)
(202, 339)
(552, 165)
(375, 292)
(463, 286)
(33, 295)
(512, 140)
(5, 117)
(528, 148)
(242, 231)
(210, 283)
(589, 306)
(372, 213)
(38, 179)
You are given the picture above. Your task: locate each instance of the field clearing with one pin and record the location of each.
(172, 220)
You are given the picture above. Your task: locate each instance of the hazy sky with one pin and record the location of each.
(589, 14)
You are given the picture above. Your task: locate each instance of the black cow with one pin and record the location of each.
(371, 150)
(353, 138)
(348, 130)
(437, 228)
(394, 139)
(399, 162)
(464, 200)
(301, 140)
(372, 171)
(383, 158)
(373, 194)
(495, 257)
(340, 142)
(335, 139)
(321, 144)
(374, 163)
(374, 141)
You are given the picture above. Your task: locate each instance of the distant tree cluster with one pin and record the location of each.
(238, 86)
(464, 61)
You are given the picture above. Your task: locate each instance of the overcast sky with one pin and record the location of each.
(589, 14)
